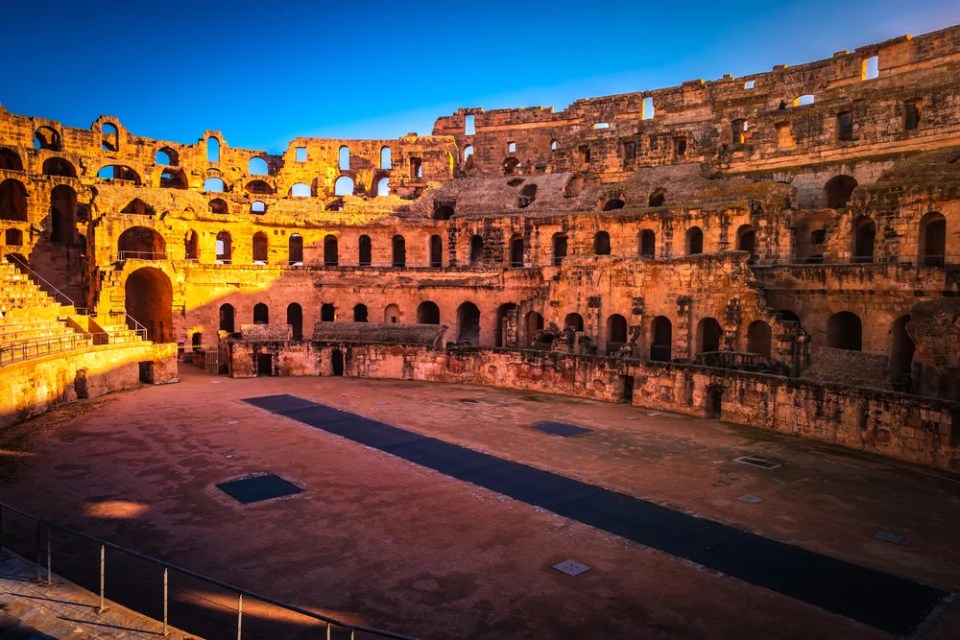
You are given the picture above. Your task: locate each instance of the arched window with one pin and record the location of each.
(648, 244)
(343, 186)
(505, 329)
(391, 315)
(328, 313)
(759, 338)
(516, 251)
(845, 331)
(118, 172)
(386, 159)
(553, 145)
(616, 332)
(747, 240)
(330, 251)
(694, 241)
(838, 190)
(344, 158)
(468, 157)
(902, 349)
(661, 343)
(138, 207)
(190, 246)
(510, 166)
(428, 313)
(58, 167)
(46, 138)
(213, 149)
(261, 314)
(300, 190)
(468, 324)
(109, 137)
(13, 200)
(63, 206)
(295, 249)
(223, 248)
(399, 246)
(476, 250)
(295, 320)
(532, 326)
(559, 248)
(213, 185)
(709, 335)
(442, 211)
(258, 206)
(933, 240)
(436, 252)
(218, 206)
(366, 251)
(864, 234)
(383, 187)
(260, 248)
(613, 204)
(601, 243)
(167, 157)
(259, 187)
(258, 166)
(658, 198)
(173, 179)
(226, 317)
(10, 160)
(360, 313)
(573, 321)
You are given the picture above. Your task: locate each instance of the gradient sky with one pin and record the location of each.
(263, 73)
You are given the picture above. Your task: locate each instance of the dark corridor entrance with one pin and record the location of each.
(264, 364)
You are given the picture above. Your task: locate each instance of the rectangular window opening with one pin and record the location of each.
(301, 154)
(469, 128)
(871, 68)
(648, 111)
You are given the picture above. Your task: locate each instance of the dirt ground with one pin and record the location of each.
(377, 540)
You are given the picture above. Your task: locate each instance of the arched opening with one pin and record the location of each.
(63, 218)
(573, 322)
(191, 246)
(258, 166)
(527, 196)
(360, 313)
(261, 313)
(399, 248)
(386, 159)
(574, 187)
(109, 137)
(46, 138)
(173, 179)
(59, 167)
(141, 243)
(149, 301)
(510, 166)
(295, 249)
(428, 313)
(747, 240)
(476, 250)
(468, 323)
(213, 149)
(864, 234)
(902, 349)
(259, 187)
(516, 251)
(10, 160)
(658, 198)
(138, 207)
(218, 206)
(759, 338)
(714, 399)
(226, 317)
(383, 187)
(343, 186)
(838, 190)
(442, 211)
(468, 157)
(258, 207)
(336, 362)
(845, 331)
(331, 257)
(295, 320)
(661, 343)
(328, 312)
(166, 157)
(533, 324)
(709, 335)
(224, 248)
(344, 158)
(616, 332)
(648, 244)
(506, 328)
(213, 185)
(365, 251)
(601, 243)
(13, 201)
(613, 204)
(391, 314)
(300, 190)
(933, 239)
(694, 241)
(13, 237)
(260, 248)
(789, 316)
(436, 252)
(559, 248)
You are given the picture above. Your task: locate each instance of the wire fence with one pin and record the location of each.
(172, 595)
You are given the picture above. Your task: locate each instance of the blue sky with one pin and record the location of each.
(263, 73)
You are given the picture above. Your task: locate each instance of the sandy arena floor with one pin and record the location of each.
(377, 540)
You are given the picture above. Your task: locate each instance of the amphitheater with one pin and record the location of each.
(764, 265)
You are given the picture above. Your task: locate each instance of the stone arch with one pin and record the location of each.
(506, 328)
(532, 324)
(191, 250)
(295, 319)
(573, 321)
(261, 313)
(328, 313)
(59, 167)
(864, 239)
(559, 248)
(759, 338)
(365, 251)
(658, 198)
(648, 244)
(845, 331)
(141, 243)
(476, 250)
(227, 317)
(902, 349)
(295, 249)
(391, 314)
(616, 334)
(148, 299)
(468, 324)
(398, 246)
(661, 342)
(435, 248)
(709, 335)
(260, 248)
(331, 254)
(360, 313)
(13, 200)
(46, 138)
(837, 191)
(933, 240)
(218, 205)
(10, 160)
(517, 247)
(747, 240)
(63, 216)
(601, 243)
(224, 251)
(428, 313)
(694, 241)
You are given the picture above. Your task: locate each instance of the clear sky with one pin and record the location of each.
(265, 72)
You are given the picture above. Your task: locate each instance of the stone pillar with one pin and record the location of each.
(681, 337)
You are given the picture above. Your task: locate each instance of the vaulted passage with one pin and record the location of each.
(149, 301)
(881, 600)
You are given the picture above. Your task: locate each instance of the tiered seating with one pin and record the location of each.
(32, 324)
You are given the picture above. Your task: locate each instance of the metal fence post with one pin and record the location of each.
(49, 555)
(103, 566)
(37, 545)
(239, 615)
(1, 528)
(164, 602)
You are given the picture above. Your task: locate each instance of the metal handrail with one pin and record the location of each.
(56, 292)
(139, 328)
(10, 353)
(139, 255)
(168, 567)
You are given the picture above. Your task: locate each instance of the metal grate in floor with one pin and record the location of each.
(561, 429)
(758, 461)
(258, 488)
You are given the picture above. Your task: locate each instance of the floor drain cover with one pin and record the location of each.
(258, 488)
(750, 499)
(571, 567)
(757, 461)
(888, 536)
(561, 429)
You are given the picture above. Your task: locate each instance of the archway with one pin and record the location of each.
(191, 246)
(391, 314)
(516, 251)
(476, 250)
(227, 313)
(506, 329)
(331, 256)
(58, 167)
(694, 241)
(759, 338)
(149, 300)
(845, 331)
(261, 313)
(709, 335)
(864, 234)
(224, 248)
(468, 321)
(63, 205)
(933, 239)
(661, 346)
(436, 252)
(616, 332)
(747, 240)
(559, 248)
(13, 200)
(336, 362)
(360, 313)
(261, 251)
(428, 313)
(399, 252)
(902, 349)
(573, 321)
(648, 244)
(365, 251)
(295, 320)
(601, 243)
(838, 190)
(295, 249)
(141, 243)
(328, 312)
(532, 325)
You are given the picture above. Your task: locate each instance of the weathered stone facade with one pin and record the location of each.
(742, 227)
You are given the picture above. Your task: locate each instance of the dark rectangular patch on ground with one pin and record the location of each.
(561, 429)
(895, 605)
(258, 488)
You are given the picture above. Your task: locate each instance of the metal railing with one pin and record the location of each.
(139, 255)
(50, 290)
(37, 347)
(167, 593)
(128, 320)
